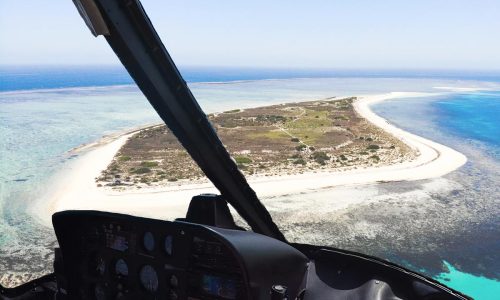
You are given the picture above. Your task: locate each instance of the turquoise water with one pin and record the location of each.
(470, 123)
(478, 287)
(38, 127)
(37, 130)
(474, 116)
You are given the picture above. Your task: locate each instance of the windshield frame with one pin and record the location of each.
(134, 40)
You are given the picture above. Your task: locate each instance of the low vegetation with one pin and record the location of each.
(272, 140)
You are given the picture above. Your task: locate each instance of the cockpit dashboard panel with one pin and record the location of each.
(112, 256)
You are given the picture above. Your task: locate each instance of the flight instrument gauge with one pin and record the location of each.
(99, 292)
(100, 265)
(148, 241)
(168, 244)
(121, 267)
(149, 278)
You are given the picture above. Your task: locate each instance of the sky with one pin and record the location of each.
(393, 34)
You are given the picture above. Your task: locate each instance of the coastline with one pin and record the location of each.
(76, 189)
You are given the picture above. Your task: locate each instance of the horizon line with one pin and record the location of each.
(273, 68)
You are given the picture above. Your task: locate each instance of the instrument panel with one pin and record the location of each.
(112, 256)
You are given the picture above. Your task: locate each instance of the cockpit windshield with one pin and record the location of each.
(397, 164)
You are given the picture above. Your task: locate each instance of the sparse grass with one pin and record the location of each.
(310, 122)
(308, 135)
(124, 158)
(149, 164)
(242, 159)
(142, 170)
(288, 138)
(274, 134)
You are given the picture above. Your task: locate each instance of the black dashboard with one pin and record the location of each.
(113, 256)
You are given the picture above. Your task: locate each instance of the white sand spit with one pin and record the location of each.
(76, 189)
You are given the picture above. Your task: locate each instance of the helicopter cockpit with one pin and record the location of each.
(205, 254)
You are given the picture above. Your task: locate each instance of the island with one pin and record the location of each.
(285, 139)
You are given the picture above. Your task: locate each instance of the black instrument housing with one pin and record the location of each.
(251, 261)
(250, 264)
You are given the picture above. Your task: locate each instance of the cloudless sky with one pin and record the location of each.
(393, 34)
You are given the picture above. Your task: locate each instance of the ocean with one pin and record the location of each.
(469, 123)
(446, 228)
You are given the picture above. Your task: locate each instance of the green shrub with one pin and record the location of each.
(142, 170)
(320, 157)
(242, 159)
(300, 147)
(296, 140)
(124, 158)
(149, 164)
(299, 161)
(343, 157)
(270, 118)
(373, 147)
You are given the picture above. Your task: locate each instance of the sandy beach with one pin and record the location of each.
(75, 187)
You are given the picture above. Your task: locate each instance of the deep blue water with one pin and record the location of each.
(474, 116)
(14, 78)
(469, 123)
